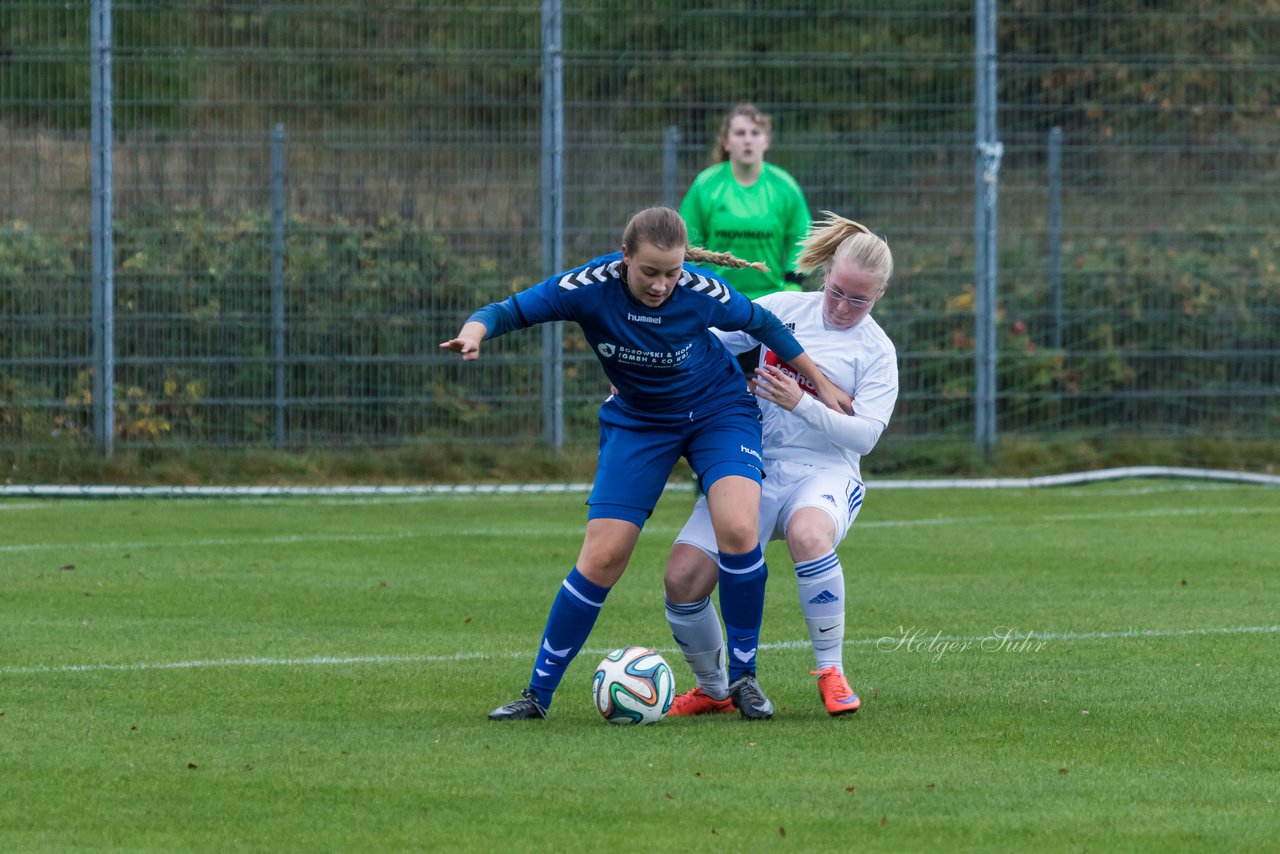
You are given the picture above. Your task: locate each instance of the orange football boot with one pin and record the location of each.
(836, 694)
(699, 702)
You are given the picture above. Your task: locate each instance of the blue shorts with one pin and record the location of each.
(639, 449)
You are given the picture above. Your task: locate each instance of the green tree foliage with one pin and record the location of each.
(1121, 67)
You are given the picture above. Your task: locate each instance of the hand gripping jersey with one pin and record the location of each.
(661, 360)
(861, 360)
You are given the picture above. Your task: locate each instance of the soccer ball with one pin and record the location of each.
(633, 685)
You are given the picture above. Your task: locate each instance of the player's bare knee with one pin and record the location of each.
(605, 574)
(690, 575)
(678, 589)
(811, 533)
(676, 581)
(808, 542)
(737, 541)
(602, 563)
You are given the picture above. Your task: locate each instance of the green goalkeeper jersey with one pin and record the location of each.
(763, 222)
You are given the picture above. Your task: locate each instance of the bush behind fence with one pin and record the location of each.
(366, 304)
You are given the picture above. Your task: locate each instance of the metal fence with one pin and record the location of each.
(305, 198)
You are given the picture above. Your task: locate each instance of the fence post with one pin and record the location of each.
(103, 251)
(986, 241)
(552, 213)
(670, 165)
(278, 140)
(1055, 231)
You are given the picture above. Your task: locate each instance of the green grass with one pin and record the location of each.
(314, 675)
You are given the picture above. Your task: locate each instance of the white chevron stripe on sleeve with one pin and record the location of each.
(710, 287)
(589, 276)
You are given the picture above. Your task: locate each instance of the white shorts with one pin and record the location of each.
(787, 487)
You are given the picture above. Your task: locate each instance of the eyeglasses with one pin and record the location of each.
(853, 302)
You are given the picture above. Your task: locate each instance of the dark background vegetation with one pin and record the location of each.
(412, 185)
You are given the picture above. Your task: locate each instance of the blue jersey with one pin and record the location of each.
(661, 360)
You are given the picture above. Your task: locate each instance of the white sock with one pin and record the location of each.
(821, 587)
(696, 629)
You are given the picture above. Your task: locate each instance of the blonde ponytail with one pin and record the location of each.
(836, 238)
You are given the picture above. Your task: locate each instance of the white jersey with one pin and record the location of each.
(861, 360)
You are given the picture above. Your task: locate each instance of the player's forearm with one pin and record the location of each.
(857, 433)
(497, 318)
(467, 343)
(765, 327)
(827, 390)
(474, 331)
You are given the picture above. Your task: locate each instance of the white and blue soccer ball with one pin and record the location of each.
(633, 685)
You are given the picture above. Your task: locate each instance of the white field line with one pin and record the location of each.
(1151, 514)
(919, 639)
(488, 531)
(1065, 479)
(283, 540)
(1083, 491)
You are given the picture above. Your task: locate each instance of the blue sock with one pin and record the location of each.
(573, 613)
(742, 580)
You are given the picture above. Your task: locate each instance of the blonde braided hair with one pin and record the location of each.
(722, 259)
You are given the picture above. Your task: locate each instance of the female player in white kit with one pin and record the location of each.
(813, 482)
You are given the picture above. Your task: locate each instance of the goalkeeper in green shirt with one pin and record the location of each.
(748, 207)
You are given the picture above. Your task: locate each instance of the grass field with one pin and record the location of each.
(314, 675)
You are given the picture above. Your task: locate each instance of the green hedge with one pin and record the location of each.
(193, 327)
(1170, 335)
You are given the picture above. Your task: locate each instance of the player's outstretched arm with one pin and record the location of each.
(468, 341)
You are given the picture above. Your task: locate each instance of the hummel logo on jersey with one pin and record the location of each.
(642, 318)
(751, 451)
(826, 597)
(829, 498)
(607, 350)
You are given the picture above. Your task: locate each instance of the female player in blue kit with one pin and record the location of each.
(646, 315)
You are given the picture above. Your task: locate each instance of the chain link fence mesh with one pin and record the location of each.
(1138, 283)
